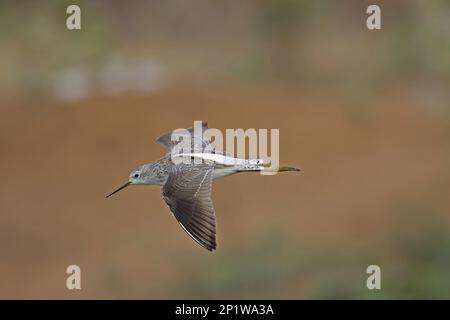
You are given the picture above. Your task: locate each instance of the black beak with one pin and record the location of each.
(122, 187)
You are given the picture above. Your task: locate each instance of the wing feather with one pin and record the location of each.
(187, 192)
(173, 138)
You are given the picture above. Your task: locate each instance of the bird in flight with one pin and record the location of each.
(186, 180)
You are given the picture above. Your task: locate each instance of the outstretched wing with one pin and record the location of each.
(198, 143)
(187, 192)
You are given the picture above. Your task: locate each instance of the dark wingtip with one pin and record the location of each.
(210, 246)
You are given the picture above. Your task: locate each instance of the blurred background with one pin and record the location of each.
(365, 114)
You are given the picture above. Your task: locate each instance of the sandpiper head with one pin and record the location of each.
(136, 177)
(142, 175)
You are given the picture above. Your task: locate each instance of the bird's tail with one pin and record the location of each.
(286, 168)
(279, 169)
(258, 167)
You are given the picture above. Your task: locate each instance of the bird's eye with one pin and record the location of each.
(136, 175)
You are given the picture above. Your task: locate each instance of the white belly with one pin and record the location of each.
(221, 159)
(225, 165)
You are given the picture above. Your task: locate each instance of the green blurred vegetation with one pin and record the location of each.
(289, 43)
(412, 267)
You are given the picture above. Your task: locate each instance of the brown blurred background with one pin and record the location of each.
(365, 114)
